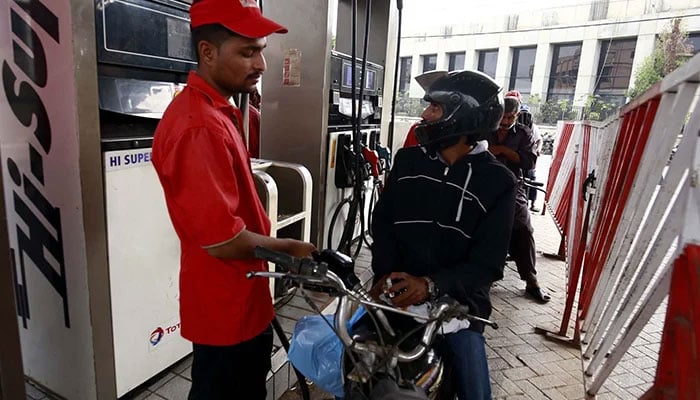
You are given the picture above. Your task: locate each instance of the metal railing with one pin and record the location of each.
(634, 234)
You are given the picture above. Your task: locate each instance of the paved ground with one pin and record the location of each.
(523, 364)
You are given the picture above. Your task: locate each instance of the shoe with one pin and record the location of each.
(538, 294)
(535, 209)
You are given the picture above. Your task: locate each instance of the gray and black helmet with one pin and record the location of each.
(472, 105)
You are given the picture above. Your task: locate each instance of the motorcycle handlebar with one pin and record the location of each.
(317, 273)
(299, 266)
(532, 183)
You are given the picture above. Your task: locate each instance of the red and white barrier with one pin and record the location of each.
(639, 235)
(561, 179)
(567, 202)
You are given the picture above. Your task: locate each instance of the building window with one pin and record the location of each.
(487, 62)
(405, 74)
(562, 78)
(522, 69)
(694, 40)
(615, 69)
(455, 61)
(429, 62)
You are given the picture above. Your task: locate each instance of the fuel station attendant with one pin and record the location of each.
(204, 168)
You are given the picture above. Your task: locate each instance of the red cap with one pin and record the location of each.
(240, 16)
(514, 93)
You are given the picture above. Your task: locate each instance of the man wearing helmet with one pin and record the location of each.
(443, 222)
(512, 144)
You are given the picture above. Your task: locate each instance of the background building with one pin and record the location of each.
(566, 51)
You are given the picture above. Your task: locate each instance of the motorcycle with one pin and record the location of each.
(388, 353)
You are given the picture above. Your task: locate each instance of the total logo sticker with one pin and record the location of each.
(163, 334)
(157, 335)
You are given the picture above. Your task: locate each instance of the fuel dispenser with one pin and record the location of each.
(143, 57)
(317, 129)
(94, 256)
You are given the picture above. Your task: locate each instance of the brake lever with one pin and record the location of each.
(300, 266)
(461, 311)
(484, 321)
(294, 277)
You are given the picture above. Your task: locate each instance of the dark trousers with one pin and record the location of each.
(469, 364)
(522, 241)
(531, 192)
(232, 372)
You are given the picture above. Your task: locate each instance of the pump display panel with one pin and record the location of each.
(151, 34)
(370, 80)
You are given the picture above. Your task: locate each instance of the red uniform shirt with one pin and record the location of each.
(411, 137)
(205, 172)
(254, 132)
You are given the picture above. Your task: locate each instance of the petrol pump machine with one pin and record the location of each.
(94, 256)
(315, 128)
(144, 54)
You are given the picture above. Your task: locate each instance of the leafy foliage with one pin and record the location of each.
(671, 50)
(597, 109)
(534, 99)
(554, 110)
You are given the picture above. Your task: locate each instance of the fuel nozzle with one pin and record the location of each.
(384, 157)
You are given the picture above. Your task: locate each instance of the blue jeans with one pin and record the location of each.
(469, 367)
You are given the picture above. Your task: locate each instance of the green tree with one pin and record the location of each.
(552, 111)
(549, 113)
(597, 109)
(534, 99)
(671, 50)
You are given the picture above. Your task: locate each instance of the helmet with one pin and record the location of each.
(472, 105)
(525, 116)
(428, 78)
(514, 93)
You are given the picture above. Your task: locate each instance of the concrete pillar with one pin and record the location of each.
(543, 64)
(442, 60)
(470, 59)
(644, 48)
(416, 69)
(587, 71)
(503, 65)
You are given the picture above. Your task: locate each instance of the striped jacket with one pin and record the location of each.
(451, 223)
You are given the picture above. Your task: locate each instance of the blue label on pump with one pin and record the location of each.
(127, 158)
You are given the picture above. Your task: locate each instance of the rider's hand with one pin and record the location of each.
(378, 288)
(409, 289)
(501, 150)
(299, 249)
(495, 149)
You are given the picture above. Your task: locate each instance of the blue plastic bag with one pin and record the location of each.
(317, 352)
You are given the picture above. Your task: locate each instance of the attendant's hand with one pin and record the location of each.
(300, 249)
(409, 289)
